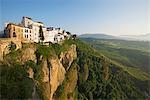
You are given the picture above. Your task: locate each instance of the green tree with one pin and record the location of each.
(41, 35)
(74, 36)
(12, 46)
(68, 33)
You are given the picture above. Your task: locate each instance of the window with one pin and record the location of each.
(14, 34)
(27, 31)
(30, 31)
(14, 28)
(27, 36)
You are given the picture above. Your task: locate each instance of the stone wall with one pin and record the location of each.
(4, 46)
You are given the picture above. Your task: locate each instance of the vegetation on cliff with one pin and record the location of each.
(133, 54)
(15, 82)
(61, 74)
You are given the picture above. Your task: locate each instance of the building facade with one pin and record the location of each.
(29, 24)
(14, 31)
(27, 34)
(28, 31)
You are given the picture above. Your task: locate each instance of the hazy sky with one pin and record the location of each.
(115, 17)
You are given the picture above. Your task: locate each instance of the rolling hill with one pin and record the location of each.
(129, 53)
(98, 36)
(145, 37)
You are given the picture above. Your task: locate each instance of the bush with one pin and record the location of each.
(15, 84)
(12, 46)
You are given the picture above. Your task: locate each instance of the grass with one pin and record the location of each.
(15, 84)
(128, 53)
(133, 71)
(96, 86)
(137, 73)
(120, 61)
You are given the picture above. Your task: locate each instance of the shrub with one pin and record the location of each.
(15, 84)
(12, 46)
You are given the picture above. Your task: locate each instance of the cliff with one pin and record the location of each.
(72, 70)
(52, 69)
(46, 68)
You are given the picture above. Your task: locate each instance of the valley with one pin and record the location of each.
(129, 53)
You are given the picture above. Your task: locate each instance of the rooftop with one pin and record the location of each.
(27, 17)
(15, 24)
(40, 22)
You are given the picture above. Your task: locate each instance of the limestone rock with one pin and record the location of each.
(68, 57)
(70, 85)
(45, 71)
(51, 76)
(30, 72)
(28, 54)
(4, 44)
(57, 74)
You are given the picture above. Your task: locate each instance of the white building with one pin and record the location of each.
(31, 32)
(35, 33)
(27, 21)
(34, 26)
(27, 34)
(49, 35)
(58, 38)
(54, 35)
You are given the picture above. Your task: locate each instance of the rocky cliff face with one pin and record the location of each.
(28, 54)
(57, 74)
(67, 57)
(67, 90)
(53, 72)
(5, 46)
(47, 72)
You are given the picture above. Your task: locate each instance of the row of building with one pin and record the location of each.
(28, 31)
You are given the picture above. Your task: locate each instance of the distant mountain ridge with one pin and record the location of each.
(145, 37)
(98, 36)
